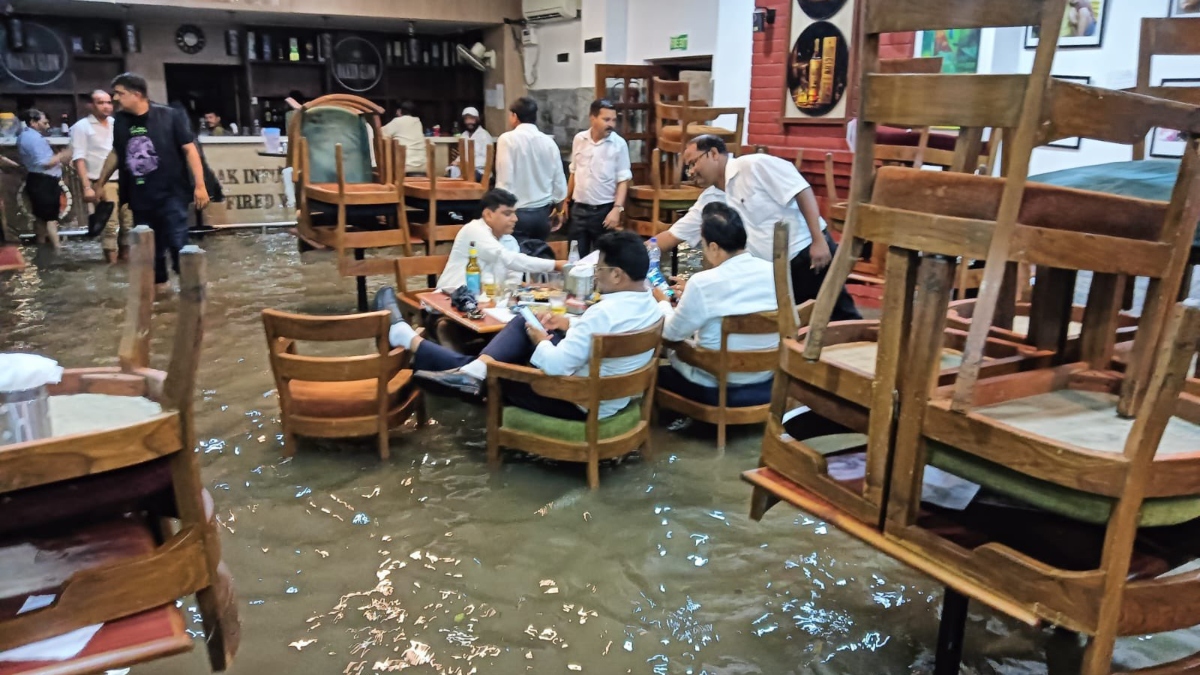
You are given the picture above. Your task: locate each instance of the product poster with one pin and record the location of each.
(818, 66)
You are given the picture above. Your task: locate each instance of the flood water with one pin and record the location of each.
(343, 563)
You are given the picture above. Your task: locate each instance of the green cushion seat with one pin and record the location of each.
(1064, 501)
(571, 431)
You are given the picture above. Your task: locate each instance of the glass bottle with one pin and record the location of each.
(474, 273)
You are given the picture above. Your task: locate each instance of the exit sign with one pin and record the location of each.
(679, 42)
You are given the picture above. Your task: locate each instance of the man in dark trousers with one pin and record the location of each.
(161, 170)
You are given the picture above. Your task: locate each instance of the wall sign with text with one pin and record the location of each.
(818, 65)
(43, 61)
(357, 64)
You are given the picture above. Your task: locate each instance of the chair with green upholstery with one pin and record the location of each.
(349, 188)
(579, 441)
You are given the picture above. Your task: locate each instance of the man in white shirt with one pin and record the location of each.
(91, 142)
(736, 283)
(529, 165)
(600, 176)
(408, 130)
(496, 250)
(479, 138)
(763, 190)
(566, 349)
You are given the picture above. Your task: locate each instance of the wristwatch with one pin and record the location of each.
(619, 207)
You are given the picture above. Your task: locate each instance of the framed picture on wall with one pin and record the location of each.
(958, 48)
(1082, 25)
(1073, 143)
(1169, 143)
(1184, 8)
(818, 64)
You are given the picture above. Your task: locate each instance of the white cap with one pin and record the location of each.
(469, 110)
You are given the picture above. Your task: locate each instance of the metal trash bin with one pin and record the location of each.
(24, 415)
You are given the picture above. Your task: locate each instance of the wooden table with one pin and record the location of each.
(440, 302)
(447, 189)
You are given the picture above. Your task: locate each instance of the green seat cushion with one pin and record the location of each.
(571, 431)
(324, 128)
(1064, 501)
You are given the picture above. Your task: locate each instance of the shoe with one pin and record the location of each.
(451, 380)
(681, 424)
(385, 298)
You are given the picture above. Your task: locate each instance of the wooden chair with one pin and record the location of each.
(629, 88)
(108, 552)
(340, 397)
(654, 207)
(340, 203)
(720, 363)
(572, 441)
(435, 196)
(679, 120)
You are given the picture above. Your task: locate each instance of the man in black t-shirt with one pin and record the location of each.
(161, 171)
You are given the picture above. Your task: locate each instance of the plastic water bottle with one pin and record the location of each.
(573, 255)
(654, 275)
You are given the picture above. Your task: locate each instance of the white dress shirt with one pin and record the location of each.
(742, 284)
(91, 141)
(482, 139)
(502, 256)
(529, 165)
(623, 312)
(762, 189)
(408, 130)
(687, 228)
(599, 167)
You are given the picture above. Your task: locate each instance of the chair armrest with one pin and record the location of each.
(514, 373)
(563, 387)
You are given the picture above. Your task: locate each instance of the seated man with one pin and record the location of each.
(626, 306)
(737, 283)
(496, 250)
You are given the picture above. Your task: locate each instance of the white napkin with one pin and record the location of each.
(60, 648)
(19, 372)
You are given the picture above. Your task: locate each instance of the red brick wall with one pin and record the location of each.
(767, 81)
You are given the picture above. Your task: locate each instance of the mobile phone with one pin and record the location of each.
(530, 319)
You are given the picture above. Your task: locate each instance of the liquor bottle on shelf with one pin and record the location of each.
(251, 46)
(294, 49)
(324, 47)
(310, 53)
(65, 126)
(267, 52)
(814, 74)
(434, 54)
(828, 63)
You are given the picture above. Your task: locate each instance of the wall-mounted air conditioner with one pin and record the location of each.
(550, 10)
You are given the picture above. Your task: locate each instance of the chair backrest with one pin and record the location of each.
(637, 383)
(418, 266)
(1165, 37)
(285, 329)
(788, 322)
(134, 350)
(328, 121)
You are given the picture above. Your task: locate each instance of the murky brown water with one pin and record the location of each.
(344, 562)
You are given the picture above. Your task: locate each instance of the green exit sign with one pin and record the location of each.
(679, 42)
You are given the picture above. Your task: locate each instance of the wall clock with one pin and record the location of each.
(189, 38)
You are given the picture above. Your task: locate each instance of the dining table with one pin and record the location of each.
(439, 302)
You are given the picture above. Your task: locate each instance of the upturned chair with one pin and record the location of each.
(86, 513)
(587, 441)
(653, 207)
(340, 396)
(720, 363)
(434, 197)
(678, 120)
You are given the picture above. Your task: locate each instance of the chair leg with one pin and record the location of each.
(422, 411)
(385, 450)
(721, 435)
(289, 441)
(593, 470)
(219, 614)
(1097, 656)
(761, 501)
(948, 657)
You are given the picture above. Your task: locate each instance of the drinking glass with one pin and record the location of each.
(558, 302)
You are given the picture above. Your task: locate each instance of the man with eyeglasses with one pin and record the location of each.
(763, 190)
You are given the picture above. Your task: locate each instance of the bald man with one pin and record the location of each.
(91, 142)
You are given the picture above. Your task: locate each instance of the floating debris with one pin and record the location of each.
(301, 644)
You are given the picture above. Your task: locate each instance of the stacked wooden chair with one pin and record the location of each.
(434, 197)
(116, 512)
(655, 207)
(1112, 504)
(345, 203)
(678, 120)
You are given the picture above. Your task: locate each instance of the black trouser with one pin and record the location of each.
(587, 224)
(169, 220)
(511, 345)
(806, 283)
(533, 223)
(736, 395)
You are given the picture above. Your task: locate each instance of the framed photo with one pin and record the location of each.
(1082, 25)
(1184, 8)
(1169, 143)
(818, 64)
(958, 48)
(1073, 143)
